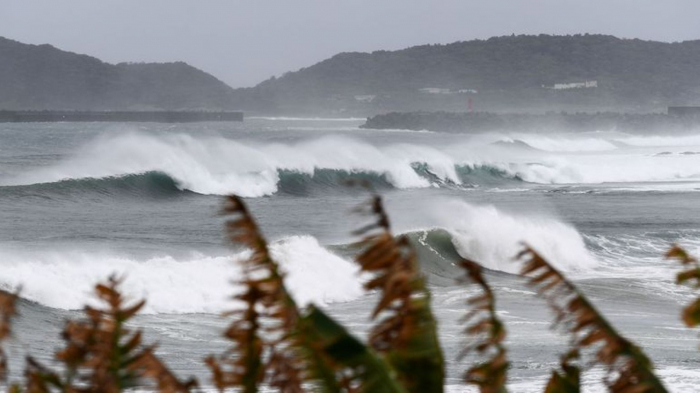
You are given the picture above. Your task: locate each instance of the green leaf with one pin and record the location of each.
(420, 362)
(564, 382)
(346, 355)
(568, 379)
(691, 314)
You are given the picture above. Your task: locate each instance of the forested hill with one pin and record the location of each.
(511, 74)
(502, 73)
(43, 77)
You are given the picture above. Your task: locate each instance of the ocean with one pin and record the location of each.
(81, 201)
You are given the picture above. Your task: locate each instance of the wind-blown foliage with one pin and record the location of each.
(357, 366)
(629, 369)
(568, 379)
(406, 333)
(102, 355)
(166, 381)
(274, 339)
(487, 333)
(259, 351)
(8, 311)
(691, 313)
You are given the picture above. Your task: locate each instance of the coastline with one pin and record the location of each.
(489, 121)
(117, 116)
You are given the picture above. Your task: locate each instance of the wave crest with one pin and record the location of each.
(149, 184)
(195, 284)
(218, 166)
(161, 164)
(493, 237)
(201, 283)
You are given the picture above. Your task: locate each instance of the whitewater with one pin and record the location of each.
(220, 166)
(79, 202)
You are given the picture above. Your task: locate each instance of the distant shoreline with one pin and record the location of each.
(117, 116)
(553, 121)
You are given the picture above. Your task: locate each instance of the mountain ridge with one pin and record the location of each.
(508, 73)
(499, 74)
(45, 77)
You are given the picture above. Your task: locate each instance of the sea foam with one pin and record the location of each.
(214, 165)
(194, 284)
(218, 166)
(493, 238)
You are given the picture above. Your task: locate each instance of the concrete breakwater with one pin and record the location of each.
(551, 121)
(117, 116)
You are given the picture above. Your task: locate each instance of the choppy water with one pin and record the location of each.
(81, 201)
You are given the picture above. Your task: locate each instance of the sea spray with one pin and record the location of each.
(215, 165)
(493, 237)
(195, 284)
(219, 166)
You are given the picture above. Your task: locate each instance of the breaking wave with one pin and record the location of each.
(195, 284)
(199, 283)
(163, 164)
(493, 237)
(289, 182)
(151, 184)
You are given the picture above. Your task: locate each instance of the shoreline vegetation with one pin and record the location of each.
(275, 344)
(554, 121)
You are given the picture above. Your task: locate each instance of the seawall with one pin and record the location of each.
(117, 116)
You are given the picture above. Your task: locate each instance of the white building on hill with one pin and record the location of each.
(575, 85)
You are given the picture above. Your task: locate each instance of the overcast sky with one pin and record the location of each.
(245, 42)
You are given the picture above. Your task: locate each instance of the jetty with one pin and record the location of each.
(684, 111)
(117, 116)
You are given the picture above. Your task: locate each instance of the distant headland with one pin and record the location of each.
(676, 119)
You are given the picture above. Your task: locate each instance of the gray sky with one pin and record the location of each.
(245, 42)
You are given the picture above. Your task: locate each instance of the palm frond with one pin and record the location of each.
(691, 276)
(263, 332)
(8, 310)
(629, 369)
(568, 378)
(487, 333)
(39, 379)
(101, 354)
(406, 331)
(349, 365)
(166, 381)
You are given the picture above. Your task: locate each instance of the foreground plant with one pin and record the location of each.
(348, 365)
(629, 369)
(406, 331)
(568, 378)
(102, 355)
(8, 311)
(487, 333)
(691, 276)
(264, 331)
(277, 344)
